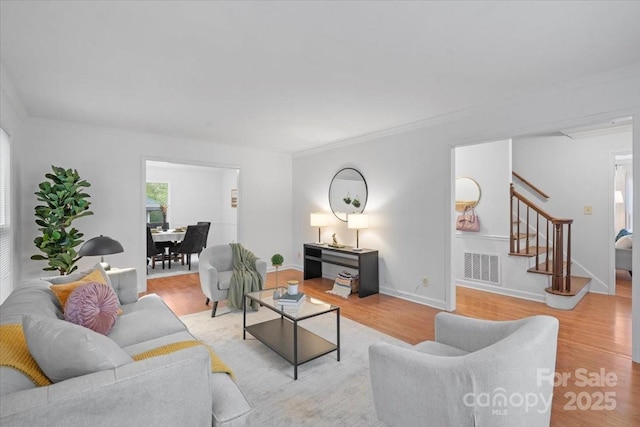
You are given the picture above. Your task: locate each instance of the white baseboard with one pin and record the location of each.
(409, 296)
(502, 291)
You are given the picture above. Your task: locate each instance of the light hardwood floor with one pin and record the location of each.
(594, 339)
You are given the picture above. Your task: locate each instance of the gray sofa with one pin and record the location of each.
(173, 389)
(623, 259)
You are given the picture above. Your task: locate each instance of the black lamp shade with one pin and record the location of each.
(102, 245)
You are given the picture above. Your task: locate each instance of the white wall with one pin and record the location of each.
(404, 177)
(229, 219)
(113, 162)
(198, 193)
(577, 173)
(410, 171)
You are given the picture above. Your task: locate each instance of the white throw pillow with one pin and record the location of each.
(64, 350)
(625, 242)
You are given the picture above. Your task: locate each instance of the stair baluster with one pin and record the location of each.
(559, 266)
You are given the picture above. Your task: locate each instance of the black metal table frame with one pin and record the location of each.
(326, 347)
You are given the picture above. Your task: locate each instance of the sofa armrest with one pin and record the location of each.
(261, 268)
(125, 282)
(624, 259)
(209, 280)
(173, 389)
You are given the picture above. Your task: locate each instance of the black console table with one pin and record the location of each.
(365, 261)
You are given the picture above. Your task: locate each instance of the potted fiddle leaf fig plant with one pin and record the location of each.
(63, 201)
(276, 261)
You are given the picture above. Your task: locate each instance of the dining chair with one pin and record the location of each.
(193, 243)
(208, 224)
(153, 252)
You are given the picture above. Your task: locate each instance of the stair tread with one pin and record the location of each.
(540, 268)
(531, 252)
(577, 283)
(518, 236)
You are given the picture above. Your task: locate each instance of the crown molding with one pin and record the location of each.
(514, 98)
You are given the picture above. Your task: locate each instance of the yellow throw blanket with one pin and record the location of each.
(14, 353)
(217, 365)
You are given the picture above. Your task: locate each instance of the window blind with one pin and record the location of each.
(5, 215)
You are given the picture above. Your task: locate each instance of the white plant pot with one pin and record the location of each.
(292, 287)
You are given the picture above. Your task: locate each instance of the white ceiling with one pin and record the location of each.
(290, 76)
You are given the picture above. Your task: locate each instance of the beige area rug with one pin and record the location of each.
(176, 269)
(326, 393)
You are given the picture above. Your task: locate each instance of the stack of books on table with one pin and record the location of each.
(288, 300)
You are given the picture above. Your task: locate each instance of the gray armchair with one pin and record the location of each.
(215, 266)
(475, 373)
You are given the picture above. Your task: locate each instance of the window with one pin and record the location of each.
(157, 197)
(5, 216)
(624, 186)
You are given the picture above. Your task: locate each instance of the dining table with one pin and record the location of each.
(167, 236)
(167, 239)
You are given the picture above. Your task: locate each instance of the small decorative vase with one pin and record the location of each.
(165, 225)
(292, 287)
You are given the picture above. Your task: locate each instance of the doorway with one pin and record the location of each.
(195, 193)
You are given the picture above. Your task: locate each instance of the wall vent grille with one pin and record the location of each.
(482, 267)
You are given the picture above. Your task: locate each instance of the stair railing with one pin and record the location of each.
(559, 228)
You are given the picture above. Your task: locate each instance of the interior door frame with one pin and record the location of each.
(142, 266)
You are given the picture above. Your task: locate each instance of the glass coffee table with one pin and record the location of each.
(284, 335)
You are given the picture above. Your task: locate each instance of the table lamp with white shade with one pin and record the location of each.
(319, 219)
(357, 221)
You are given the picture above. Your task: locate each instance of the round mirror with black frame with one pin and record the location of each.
(348, 193)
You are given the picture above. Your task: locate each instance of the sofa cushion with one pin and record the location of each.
(121, 279)
(224, 279)
(438, 349)
(625, 242)
(13, 380)
(64, 350)
(154, 343)
(93, 306)
(35, 298)
(63, 286)
(146, 319)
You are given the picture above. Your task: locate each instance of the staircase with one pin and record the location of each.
(546, 240)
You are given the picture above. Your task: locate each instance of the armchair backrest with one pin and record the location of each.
(219, 256)
(504, 360)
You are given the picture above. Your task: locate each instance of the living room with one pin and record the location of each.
(407, 160)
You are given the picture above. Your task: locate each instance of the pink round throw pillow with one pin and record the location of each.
(94, 306)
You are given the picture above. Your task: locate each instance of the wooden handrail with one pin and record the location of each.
(559, 267)
(530, 185)
(529, 203)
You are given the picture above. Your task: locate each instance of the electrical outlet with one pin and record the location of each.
(588, 210)
(425, 281)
